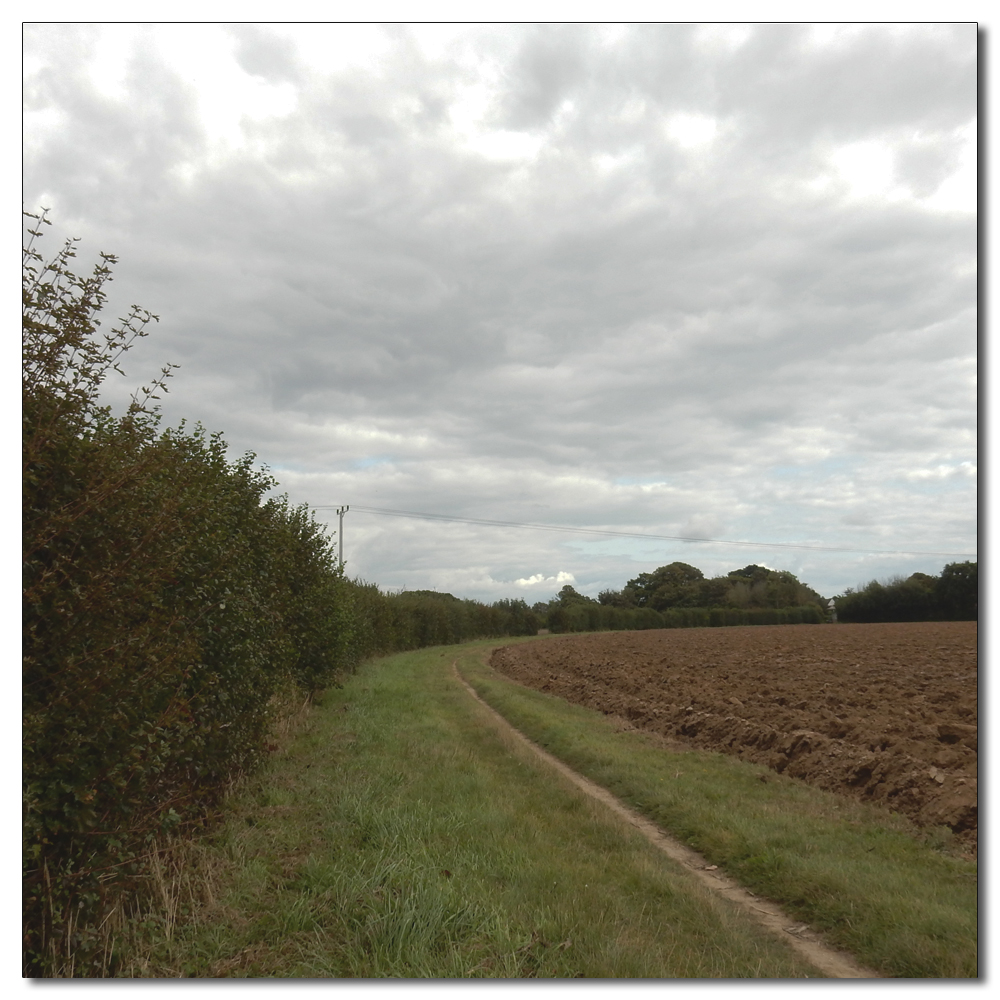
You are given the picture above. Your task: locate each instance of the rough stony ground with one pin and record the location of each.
(886, 713)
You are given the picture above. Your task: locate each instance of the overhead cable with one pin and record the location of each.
(628, 534)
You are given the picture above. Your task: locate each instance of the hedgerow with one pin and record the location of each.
(594, 617)
(169, 603)
(951, 596)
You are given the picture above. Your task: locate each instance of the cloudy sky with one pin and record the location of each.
(712, 282)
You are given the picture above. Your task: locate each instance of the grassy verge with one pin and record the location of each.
(868, 878)
(400, 835)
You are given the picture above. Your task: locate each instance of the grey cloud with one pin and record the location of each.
(548, 68)
(792, 92)
(356, 285)
(262, 53)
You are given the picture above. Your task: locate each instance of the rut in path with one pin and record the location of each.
(835, 964)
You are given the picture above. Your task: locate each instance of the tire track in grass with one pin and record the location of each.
(832, 963)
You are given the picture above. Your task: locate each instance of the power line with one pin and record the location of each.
(627, 534)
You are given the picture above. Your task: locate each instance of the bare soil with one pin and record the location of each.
(884, 713)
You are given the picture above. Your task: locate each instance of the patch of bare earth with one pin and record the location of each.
(885, 713)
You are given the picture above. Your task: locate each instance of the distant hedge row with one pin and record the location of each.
(951, 596)
(387, 623)
(599, 617)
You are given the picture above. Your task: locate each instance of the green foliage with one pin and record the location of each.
(679, 585)
(625, 598)
(389, 623)
(166, 603)
(952, 596)
(668, 586)
(569, 597)
(957, 591)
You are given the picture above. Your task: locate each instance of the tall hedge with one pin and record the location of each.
(166, 603)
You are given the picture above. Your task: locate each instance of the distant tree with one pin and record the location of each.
(569, 596)
(625, 598)
(760, 587)
(674, 595)
(433, 594)
(753, 573)
(739, 593)
(518, 618)
(666, 587)
(558, 618)
(713, 593)
(680, 585)
(678, 573)
(643, 587)
(957, 591)
(783, 589)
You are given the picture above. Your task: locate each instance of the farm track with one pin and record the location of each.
(883, 713)
(832, 963)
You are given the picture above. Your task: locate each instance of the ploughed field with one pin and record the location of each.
(885, 713)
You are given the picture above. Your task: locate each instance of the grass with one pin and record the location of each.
(400, 835)
(876, 885)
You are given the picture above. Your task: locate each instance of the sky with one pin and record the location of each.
(715, 282)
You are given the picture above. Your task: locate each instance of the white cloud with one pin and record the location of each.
(966, 470)
(505, 145)
(538, 580)
(866, 168)
(692, 131)
(111, 56)
(327, 49)
(728, 38)
(959, 191)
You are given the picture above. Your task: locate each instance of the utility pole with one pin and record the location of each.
(341, 511)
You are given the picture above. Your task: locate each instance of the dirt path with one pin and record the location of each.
(834, 964)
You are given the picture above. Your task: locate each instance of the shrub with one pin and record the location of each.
(165, 603)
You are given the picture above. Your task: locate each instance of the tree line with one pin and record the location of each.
(953, 595)
(681, 596)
